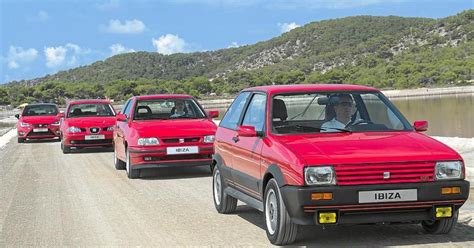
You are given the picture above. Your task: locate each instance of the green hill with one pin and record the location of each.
(385, 52)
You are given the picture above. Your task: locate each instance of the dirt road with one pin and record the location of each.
(52, 199)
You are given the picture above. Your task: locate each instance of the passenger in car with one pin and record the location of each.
(178, 109)
(339, 106)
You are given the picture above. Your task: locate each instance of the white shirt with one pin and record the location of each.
(329, 126)
(176, 114)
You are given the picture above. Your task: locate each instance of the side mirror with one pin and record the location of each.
(420, 126)
(246, 131)
(61, 114)
(213, 114)
(17, 116)
(121, 117)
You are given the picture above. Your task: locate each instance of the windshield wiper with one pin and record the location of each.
(338, 129)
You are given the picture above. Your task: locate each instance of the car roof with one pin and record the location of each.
(161, 96)
(89, 101)
(276, 89)
(41, 104)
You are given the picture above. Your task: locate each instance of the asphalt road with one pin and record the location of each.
(52, 199)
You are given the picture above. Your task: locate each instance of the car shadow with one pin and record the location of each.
(175, 173)
(33, 141)
(92, 150)
(365, 235)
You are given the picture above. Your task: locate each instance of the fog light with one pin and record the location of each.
(147, 158)
(456, 190)
(444, 212)
(450, 190)
(327, 218)
(321, 196)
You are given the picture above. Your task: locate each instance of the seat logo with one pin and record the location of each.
(94, 130)
(181, 140)
(386, 175)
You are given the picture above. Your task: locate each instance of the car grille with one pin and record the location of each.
(357, 174)
(178, 157)
(40, 125)
(181, 140)
(33, 134)
(91, 142)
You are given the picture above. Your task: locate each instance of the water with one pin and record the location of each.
(448, 116)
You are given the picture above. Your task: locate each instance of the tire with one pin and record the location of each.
(65, 149)
(278, 224)
(225, 204)
(131, 172)
(119, 164)
(442, 226)
(21, 140)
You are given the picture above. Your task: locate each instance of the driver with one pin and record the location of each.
(342, 105)
(179, 109)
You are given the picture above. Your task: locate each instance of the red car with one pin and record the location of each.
(38, 121)
(333, 154)
(87, 124)
(163, 131)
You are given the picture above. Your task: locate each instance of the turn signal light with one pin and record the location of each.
(444, 212)
(450, 190)
(327, 218)
(321, 196)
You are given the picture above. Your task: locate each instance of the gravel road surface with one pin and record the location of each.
(52, 199)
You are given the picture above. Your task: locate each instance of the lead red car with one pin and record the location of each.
(87, 124)
(163, 131)
(38, 121)
(333, 154)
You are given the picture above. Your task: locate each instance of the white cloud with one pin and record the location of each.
(285, 27)
(17, 56)
(64, 55)
(233, 45)
(128, 27)
(55, 56)
(119, 48)
(168, 44)
(43, 16)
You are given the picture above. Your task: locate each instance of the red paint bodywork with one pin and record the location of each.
(41, 121)
(127, 133)
(85, 123)
(292, 153)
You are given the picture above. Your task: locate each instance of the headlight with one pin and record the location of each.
(148, 141)
(448, 170)
(24, 124)
(319, 175)
(209, 139)
(73, 130)
(55, 123)
(111, 128)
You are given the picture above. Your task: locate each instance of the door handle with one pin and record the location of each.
(235, 139)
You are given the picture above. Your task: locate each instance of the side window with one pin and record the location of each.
(128, 106)
(255, 114)
(232, 115)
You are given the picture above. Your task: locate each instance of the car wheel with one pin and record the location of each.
(225, 204)
(65, 149)
(119, 164)
(279, 227)
(21, 140)
(442, 226)
(131, 172)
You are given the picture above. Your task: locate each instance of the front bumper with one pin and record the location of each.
(79, 139)
(346, 204)
(153, 157)
(29, 133)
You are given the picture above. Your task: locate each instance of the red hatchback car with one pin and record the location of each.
(87, 124)
(163, 131)
(38, 121)
(333, 154)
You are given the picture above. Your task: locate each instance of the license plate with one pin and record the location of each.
(40, 130)
(94, 137)
(182, 150)
(388, 195)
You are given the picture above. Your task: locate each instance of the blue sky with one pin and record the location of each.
(44, 37)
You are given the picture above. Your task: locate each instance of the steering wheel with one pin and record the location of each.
(358, 122)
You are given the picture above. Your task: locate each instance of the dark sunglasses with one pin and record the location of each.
(345, 104)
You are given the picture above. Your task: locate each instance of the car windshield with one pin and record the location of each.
(33, 110)
(90, 109)
(171, 108)
(328, 112)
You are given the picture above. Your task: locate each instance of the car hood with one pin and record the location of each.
(43, 119)
(354, 148)
(96, 121)
(174, 128)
